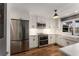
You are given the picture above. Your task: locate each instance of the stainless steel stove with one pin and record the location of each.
(42, 40)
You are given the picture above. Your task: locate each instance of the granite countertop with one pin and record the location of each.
(67, 35)
(73, 36)
(71, 50)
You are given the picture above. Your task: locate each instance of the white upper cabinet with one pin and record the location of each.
(33, 20)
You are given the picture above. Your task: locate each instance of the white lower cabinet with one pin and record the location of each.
(65, 41)
(33, 41)
(71, 41)
(61, 41)
(51, 39)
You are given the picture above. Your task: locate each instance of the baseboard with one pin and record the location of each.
(58, 45)
(40, 46)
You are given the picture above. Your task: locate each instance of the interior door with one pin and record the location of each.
(2, 29)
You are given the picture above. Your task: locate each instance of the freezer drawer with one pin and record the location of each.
(24, 45)
(70, 42)
(19, 46)
(15, 47)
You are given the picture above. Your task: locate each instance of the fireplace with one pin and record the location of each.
(42, 40)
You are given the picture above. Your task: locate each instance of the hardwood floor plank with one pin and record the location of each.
(51, 50)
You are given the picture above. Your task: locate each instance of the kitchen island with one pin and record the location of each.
(71, 50)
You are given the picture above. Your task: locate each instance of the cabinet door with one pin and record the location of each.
(70, 42)
(33, 41)
(32, 22)
(61, 41)
(51, 39)
(77, 39)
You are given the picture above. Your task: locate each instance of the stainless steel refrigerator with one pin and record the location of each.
(19, 35)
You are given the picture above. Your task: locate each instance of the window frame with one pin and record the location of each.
(73, 25)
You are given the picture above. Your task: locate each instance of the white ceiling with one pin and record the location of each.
(47, 9)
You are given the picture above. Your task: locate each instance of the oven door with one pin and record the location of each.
(42, 40)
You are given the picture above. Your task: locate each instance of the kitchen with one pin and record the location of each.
(41, 29)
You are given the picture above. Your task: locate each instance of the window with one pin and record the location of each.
(77, 27)
(71, 26)
(67, 27)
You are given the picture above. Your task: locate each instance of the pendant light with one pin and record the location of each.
(55, 15)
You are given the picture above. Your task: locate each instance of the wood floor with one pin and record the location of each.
(51, 50)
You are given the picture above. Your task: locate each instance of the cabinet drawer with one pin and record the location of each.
(77, 39)
(69, 42)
